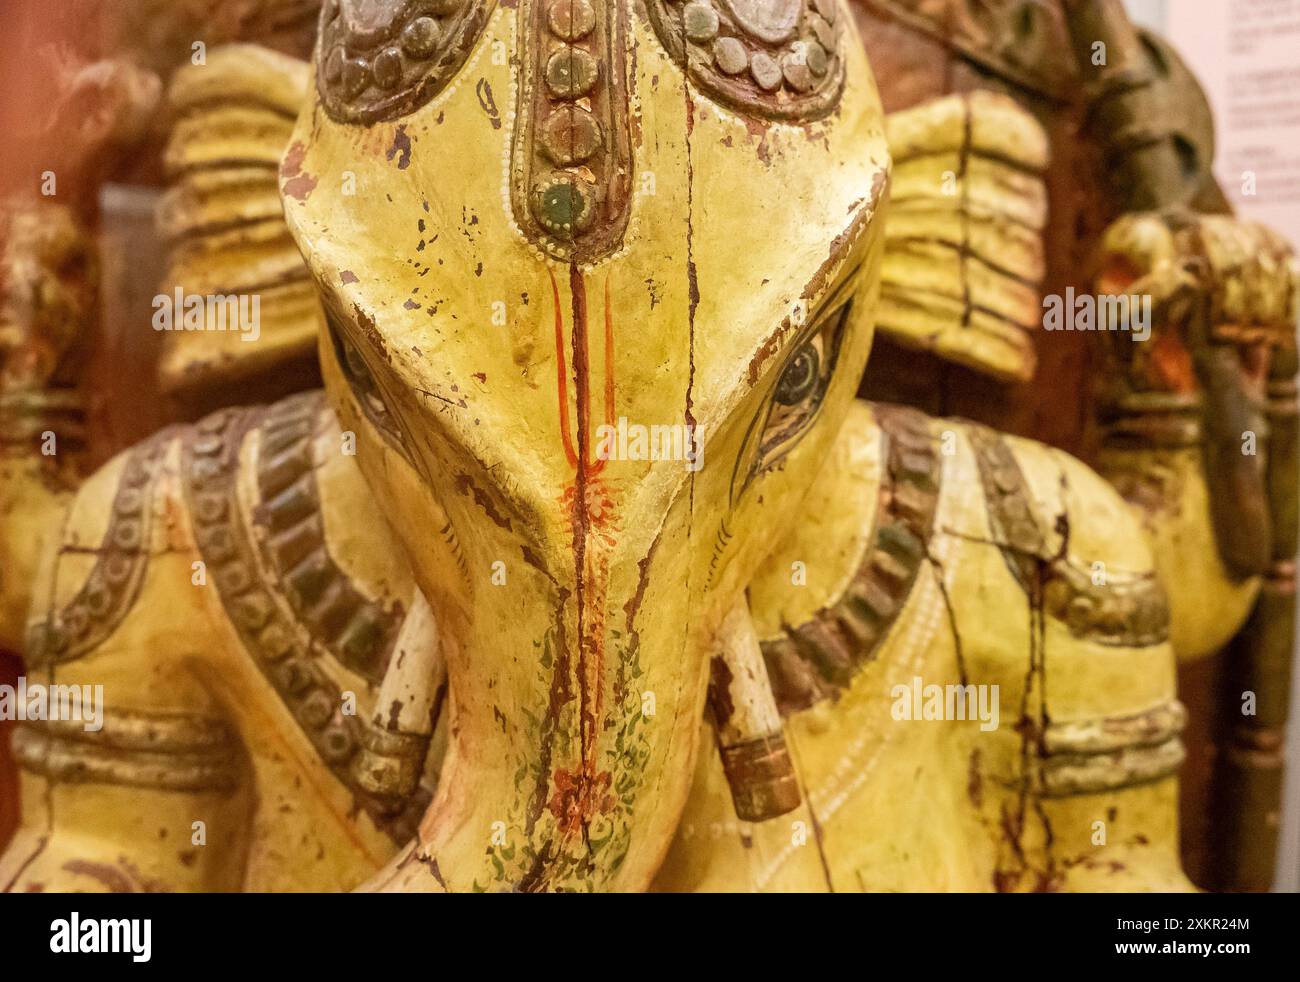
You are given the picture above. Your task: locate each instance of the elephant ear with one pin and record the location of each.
(224, 229)
(964, 255)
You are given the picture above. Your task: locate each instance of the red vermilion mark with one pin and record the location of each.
(297, 183)
(562, 373)
(579, 793)
(581, 454)
(581, 369)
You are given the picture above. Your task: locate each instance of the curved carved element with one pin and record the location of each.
(1092, 756)
(1251, 766)
(1219, 286)
(163, 751)
(275, 640)
(964, 255)
(1018, 40)
(378, 60)
(114, 582)
(779, 59)
(1145, 110)
(1186, 117)
(1123, 611)
(49, 268)
(571, 162)
(224, 225)
(358, 632)
(814, 660)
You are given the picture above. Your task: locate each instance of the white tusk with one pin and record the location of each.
(750, 737)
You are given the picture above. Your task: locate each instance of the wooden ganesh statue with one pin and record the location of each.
(589, 568)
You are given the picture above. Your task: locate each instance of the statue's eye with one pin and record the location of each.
(799, 379)
(361, 381)
(801, 387)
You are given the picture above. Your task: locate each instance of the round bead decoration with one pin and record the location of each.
(210, 507)
(97, 599)
(420, 37)
(316, 709)
(700, 21)
(234, 578)
(275, 642)
(295, 676)
(766, 72)
(252, 610)
(336, 744)
(563, 204)
(56, 640)
(796, 71)
(356, 76)
(78, 621)
(571, 20)
(571, 73)
(217, 542)
(388, 68)
(116, 569)
(128, 535)
(731, 56)
(815, 55)
(570, 135)
(129, 501)
(824, 32)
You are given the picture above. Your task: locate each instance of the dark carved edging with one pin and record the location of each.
(358, 632)
(815, 660)
(1093, 756)
(1119, 612)
(160, 751)
(113, 585)
(370, 73)
(211, 458)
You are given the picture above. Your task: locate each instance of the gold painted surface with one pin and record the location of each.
(578, 600)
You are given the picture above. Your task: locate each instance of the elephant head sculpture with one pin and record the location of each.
(599, 282)
(595, 327)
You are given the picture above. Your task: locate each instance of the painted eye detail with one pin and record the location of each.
(801, 387)
(362, 382)
(799, 379)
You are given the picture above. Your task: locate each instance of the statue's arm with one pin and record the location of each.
(1060, 609)
(131, 774)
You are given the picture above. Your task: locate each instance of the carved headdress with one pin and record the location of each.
(571, 165)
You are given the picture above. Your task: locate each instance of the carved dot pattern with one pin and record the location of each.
(563, 202)
(776, 58)
(382, 59)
